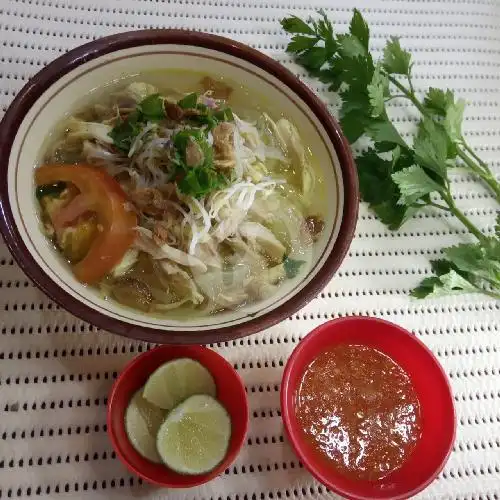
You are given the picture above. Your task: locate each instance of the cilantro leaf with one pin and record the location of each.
(181, 139)
(379, 190)
(477, 260)
(453, 120)
(383, 130)
(497, 226)
(378, 90)
(426, 287)
(357, 72)
(151, 108)
(189, 101)
(438, 100)
(450, 283)
(359, 28)
(301, 43)
(353, 125)
(313, 58)
(469, 268)
(442, 103)
(374, 175)
(396, 60)
(200, 181)
(414, 183)
(323, 27)
(224, 115)
(294, 24)
(351, 46)
(125, 131)
(442, 266)
(430, 147)
(292, 267)
(392, 214)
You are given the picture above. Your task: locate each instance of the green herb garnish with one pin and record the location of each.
(125, 131)
(189, 101)
(151, 108)
(224, 115)
(211, 118)
(292, 267)
(199, 180)
(195, 180)
(407, 177)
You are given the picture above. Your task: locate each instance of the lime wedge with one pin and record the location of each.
(142, 421)
(194, 437)
(177, 380)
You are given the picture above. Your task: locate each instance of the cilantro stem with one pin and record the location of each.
(485, 173)
(437, 205)
(474, 155)
(487, 176)
(410, 82)
(395, 96)
(480, 168)
(448, 199)
(409, 94)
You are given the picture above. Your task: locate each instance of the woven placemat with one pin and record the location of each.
(56, 371)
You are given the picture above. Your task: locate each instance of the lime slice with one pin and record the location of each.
(175, 381)
(142, 421)
(194, 437)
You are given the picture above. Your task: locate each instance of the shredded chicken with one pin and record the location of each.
(161, 233)
(194, 154)
(149, 200)
(139, 91)
(223, 135)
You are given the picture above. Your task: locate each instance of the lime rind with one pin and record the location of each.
(194, 437)
(177, 380)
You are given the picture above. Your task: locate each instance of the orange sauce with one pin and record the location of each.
(359, 410)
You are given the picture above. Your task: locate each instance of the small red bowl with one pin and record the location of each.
(430, 383)
(230, 393)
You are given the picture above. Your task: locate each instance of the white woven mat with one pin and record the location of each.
(56, 371)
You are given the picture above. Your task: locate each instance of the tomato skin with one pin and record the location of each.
(104, 196)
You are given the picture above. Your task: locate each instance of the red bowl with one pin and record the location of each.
(430, 383)
(230, 393)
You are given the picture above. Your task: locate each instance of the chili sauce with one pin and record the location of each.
(359, 410)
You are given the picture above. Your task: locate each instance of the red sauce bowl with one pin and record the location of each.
(230, 393)
(430, 383)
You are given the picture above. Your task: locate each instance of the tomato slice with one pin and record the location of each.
(102, 194)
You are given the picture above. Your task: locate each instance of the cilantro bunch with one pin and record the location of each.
(398, 179)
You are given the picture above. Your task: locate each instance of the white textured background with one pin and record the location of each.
(56, 371)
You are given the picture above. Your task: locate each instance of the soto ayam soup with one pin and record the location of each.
(169, 200)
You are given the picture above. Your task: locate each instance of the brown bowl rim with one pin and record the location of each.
(97, 48)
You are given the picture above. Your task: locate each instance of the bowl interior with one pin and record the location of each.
(67, 94)
(429, 381)
(230, 393)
